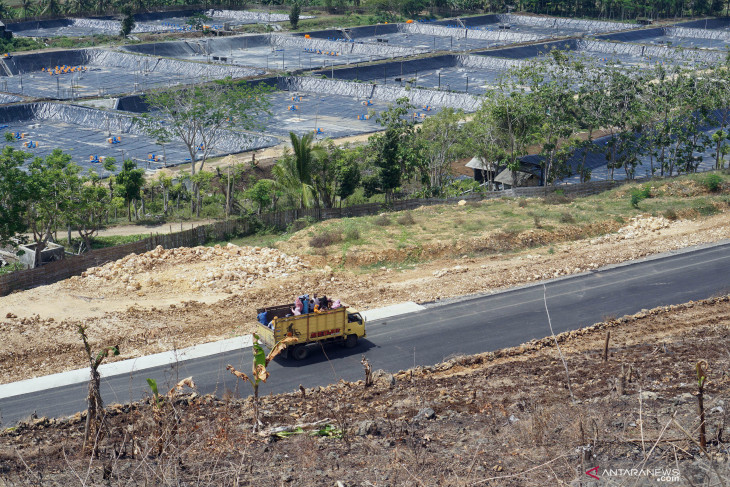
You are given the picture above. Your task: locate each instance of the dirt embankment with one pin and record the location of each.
(513, 417)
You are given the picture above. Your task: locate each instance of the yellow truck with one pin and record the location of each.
(341, 325)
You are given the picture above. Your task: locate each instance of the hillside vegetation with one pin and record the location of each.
(502, 225)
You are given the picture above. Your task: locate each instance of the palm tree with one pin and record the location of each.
(293, 172)
(101, 6)
(4, 10)
(25, 6)
(76, 6)
(50, 7)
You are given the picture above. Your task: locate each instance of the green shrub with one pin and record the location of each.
(325, 239)
(9, 137)
(671, 214)
(536, 219)
(352, 234)
(556, 198)
(406, 219)
(566, 217)
(300, 224)
(712, 182)
(639, 194)
(707, 209)
(382, 220)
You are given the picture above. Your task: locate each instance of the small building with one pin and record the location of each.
(51, 252)
(483, 171)
(527, 175)
(4, 33)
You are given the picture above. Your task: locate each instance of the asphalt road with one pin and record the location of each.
(470, 326)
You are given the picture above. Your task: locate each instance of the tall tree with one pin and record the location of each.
(53, 181)
(294, 14)
(443, 142)
(335, 172)
(164, 182)
(89, 205)
(203, 117)
(393, 158)
(128, 23)
(482, 139)
(624, 109)
(551, 86)
(591, 105)
(517, 121)
(347, 170)
(128, 185)
(260, 194)
(14, 194)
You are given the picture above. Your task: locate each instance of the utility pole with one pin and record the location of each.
(228, 193)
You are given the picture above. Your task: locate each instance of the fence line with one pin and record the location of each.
(73, 266)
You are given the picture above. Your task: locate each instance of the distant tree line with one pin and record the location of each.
(602, 9)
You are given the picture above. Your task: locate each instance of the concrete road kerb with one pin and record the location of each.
(124, 367)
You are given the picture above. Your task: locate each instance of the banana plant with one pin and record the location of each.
(259, 373)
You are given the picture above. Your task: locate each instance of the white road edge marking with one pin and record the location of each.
(124, 367)
(393, 310)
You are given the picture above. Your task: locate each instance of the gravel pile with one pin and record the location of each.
(230, 268)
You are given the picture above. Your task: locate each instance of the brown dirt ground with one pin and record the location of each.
(504, 418)
(161, 228)
(167, 311)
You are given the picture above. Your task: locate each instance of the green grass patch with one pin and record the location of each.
(9, 269)
(266, 238)
(111, 241)
(706, 209)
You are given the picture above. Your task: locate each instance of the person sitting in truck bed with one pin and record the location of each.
(262, 318)
(298, 306)
(305, 304)
(336, 304)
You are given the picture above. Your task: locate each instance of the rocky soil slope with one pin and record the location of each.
(503, 418)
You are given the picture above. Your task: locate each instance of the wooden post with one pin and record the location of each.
(605, 346)
(701, 379)
(620, 382)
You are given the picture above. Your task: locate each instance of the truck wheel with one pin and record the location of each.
(300, 352)
(351, 341)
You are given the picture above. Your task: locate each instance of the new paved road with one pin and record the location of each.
(466, 327)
